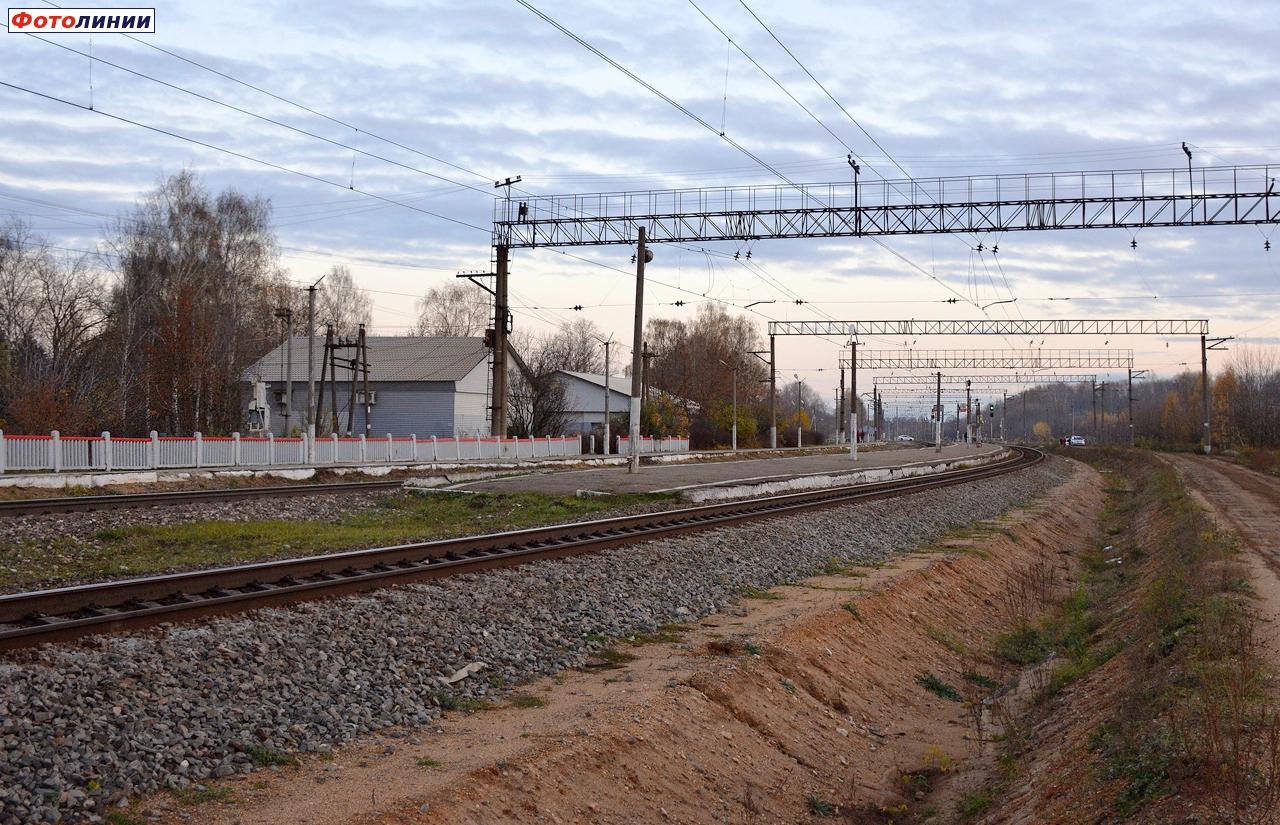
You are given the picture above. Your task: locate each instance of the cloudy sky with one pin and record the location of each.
(450, 97)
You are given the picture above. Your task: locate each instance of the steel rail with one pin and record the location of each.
(70, 504)
(62, 614)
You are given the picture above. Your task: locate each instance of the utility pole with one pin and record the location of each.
(312, 411)
(734, 442)
(1132, 375)
(285, 314)
(498, 419)
(608, 444)
(773, 393)
(853, 401)
(1204, 369)
(364, 367)
(637, 351)
(328, 339)
(1026, 431)
(1093, 399)
(1004, 408)
(968, 414)
(799, 410)
(937, 413)
(840, 409)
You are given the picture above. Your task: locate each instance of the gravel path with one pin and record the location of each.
(83, 726)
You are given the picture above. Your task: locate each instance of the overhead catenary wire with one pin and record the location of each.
(241, 155)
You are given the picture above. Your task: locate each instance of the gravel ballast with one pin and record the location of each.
(88, 725)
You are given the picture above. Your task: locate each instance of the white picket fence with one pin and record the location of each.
(66, 453)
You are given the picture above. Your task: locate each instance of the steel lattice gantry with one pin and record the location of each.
(996, 359)
(987, 326)
(1207, 196)
(928, 381)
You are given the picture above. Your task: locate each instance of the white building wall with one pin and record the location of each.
(471, 401)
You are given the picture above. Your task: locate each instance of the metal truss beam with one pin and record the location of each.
(1059, 326)
(997, 379)
(997, 359)
(1208, 196)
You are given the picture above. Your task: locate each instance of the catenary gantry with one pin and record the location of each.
(1207, 196)
(987, 326)
(995, 359)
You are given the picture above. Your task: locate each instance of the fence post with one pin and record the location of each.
(235, 449)
(414, 438)
(199, 443)
(435, 450)
(389, 448)
(333, 456)
(106, 451)
(591, 445)
(155, 450)
(55, 451)
(3, 456)
(271, 449)
(364, 448)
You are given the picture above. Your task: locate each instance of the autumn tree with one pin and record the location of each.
(454, 310)
(192, 309)
(343, 304)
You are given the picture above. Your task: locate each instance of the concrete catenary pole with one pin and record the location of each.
(311, 370)
(1204, 381)
(733, 444)
(608, 443)
(840, 409)
(968, 415)
(773, 393)
(1004, 408)
(1131, 436)
(937, 414)
(637, 352)
(498, 418)
(853, 400)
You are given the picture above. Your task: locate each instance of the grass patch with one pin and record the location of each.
(938, 687)
(666, 634)
(427, 762)
(526, 702)
(1023, 646)
(757, 593)
(788, 685)
(751, 647)
(122, 818)
(192, 797)
(852, 609)
(820, 807)
(396, 518)
(945, 639)
(973, 677)
(265, 757)
(975, 803)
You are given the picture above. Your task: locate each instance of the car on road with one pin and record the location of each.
(905, 438)
(1075, 441)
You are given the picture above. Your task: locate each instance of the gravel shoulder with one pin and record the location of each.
(85, 726)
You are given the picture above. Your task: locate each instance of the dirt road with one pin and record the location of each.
(1247, 502)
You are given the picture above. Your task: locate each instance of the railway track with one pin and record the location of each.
(62, 614)
(71, 504)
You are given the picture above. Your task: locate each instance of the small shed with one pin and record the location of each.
(584, 398)
(425, 386)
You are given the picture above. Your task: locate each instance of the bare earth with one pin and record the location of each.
(701, 730)
(1248, 503)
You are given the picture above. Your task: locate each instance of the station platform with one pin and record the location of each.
(702, 480)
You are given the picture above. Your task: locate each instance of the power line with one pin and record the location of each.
(240, 155)
(263, 118)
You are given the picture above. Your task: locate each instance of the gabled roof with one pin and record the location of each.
(617, 383)
(391, 358)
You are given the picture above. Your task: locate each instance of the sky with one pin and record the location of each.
(450, 97)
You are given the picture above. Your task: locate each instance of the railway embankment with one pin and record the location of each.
(185, 710)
